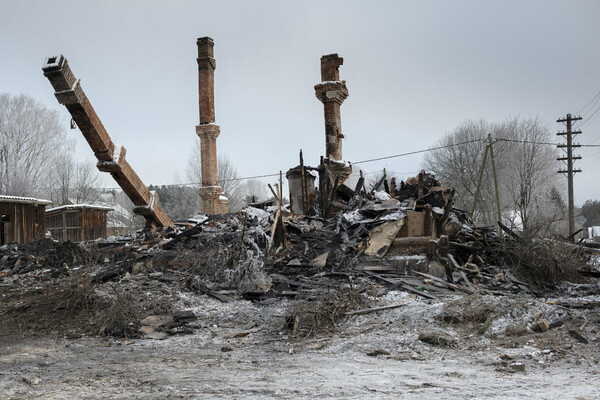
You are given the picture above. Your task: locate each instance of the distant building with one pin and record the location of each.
(594, 233)
(77, 222)
(21, 219)
(119, 221)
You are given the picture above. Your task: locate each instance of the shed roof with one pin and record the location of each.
(25, 200)
(79, 207)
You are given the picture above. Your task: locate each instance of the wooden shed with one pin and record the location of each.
(77, 222)
(21, 219)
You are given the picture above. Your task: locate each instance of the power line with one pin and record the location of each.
(525, 141)
(416, 152)
(370, 160)
(595, 140)
(535, 142)
(246, 178)
(591, 117)
(594, 99)
(200, 183)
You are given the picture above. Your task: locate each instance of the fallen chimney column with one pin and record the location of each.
(213, 201)
(111, 158)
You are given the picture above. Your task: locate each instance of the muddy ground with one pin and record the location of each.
(242, 349)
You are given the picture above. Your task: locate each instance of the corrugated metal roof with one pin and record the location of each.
(26, 200)
(79, 206)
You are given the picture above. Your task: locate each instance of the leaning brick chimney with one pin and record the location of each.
(213, 202)
(332, 92)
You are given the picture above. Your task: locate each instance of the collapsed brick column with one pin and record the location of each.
(213, 201)
(332, 92)
(111, 158)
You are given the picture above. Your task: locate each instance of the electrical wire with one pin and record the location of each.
(591, 118)
(548, 143)
(526, 141)
(416, 152)
(375, 159)
(594, 99)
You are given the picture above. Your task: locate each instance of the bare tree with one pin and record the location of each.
(526, 170)
(228, 179)
(179, 200)
(87, 181)
(531, 180)
(58, 186)
(457, 163)
(255, 190)
(194, 164)
(30, 137)
(71, 181)
(227, 176)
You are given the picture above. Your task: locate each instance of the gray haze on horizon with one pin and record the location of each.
(414, 71)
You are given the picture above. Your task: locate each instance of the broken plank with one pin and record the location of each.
(402, 285)
(373, 309)
(377, 268)
(578, 336)
(410, 245)
(449, 284)
(320, 261)
(467, 281)
(508, 230)
(453, 260)
(382, 237)
(205, 290)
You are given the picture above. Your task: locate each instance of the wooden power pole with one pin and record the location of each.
(490, 148)
(569, 159)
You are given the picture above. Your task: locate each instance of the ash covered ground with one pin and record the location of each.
(213, 311)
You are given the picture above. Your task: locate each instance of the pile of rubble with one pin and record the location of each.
(406, 237)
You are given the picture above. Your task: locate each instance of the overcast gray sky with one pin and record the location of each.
(414, 70)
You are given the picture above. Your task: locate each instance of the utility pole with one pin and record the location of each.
(569, 159)
(489, 147)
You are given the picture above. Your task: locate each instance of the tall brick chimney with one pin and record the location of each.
(213, 202)
(332, 92)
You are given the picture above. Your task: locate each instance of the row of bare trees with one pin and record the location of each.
(35, 154)
(531, 192)
(36, 161)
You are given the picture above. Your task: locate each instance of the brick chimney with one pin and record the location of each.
(332, 92)
(213, 201)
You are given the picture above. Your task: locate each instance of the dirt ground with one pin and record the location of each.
(241, 349)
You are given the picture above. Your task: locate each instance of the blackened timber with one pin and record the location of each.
(508, 230)
(359, 185)
(378, 184)
(335, 185)
(344, 192)
(303, 183)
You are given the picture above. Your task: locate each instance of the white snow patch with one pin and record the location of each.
(382, 195)
(257, 213)
(438, 210)
(198, 219)
(395, 216)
